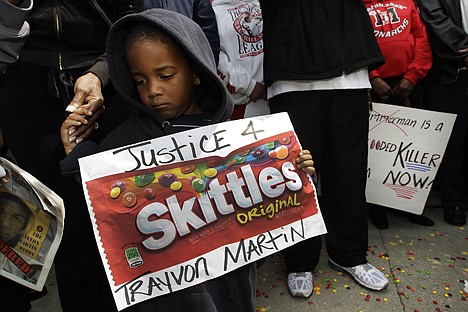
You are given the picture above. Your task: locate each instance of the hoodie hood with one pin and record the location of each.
(212, 95)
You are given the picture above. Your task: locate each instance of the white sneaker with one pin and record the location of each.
(300, 284)
(366, 275)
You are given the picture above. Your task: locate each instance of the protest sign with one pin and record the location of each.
(406, 146)
(178, 210)
(31, 227)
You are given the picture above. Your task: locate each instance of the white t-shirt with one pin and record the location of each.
(355, 80)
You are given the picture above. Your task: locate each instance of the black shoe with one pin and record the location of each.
(455, 216)
(420, 219)
(378, 218)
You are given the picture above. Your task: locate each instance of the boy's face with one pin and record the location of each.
(12, 219)
(165, 80)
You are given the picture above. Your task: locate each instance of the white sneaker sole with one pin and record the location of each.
(343, 270)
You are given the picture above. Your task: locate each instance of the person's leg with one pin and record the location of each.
(305, 112)
(453, 99)
(14, 297)
(78, 264)
(31, 119)
(344, 176)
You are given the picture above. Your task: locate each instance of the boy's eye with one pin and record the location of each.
(167, 77)
(140, 81)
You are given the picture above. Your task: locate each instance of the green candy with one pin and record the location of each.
(144, 179)
(198, 185)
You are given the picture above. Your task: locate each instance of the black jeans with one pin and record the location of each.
(452, 99)
(333, 125)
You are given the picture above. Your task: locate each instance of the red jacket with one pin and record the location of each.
(402, 38)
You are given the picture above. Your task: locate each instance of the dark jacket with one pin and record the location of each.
(67, 34)
(319, 39)
(200, 11)
(445, 29)
(233, 291)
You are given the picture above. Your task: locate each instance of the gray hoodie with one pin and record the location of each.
(212, 95)
(13, 30)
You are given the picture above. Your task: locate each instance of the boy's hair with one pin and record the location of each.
(147, 32)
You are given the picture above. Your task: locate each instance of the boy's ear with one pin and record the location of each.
(196, 78)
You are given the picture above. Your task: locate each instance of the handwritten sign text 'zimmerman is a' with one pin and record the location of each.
(406, 146)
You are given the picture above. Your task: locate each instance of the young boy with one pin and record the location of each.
(161, 63)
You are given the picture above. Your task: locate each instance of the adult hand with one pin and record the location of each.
(404, 88)
(87, 89)
(381, 88)
(88, 102)
(258, 93)
(464, 51)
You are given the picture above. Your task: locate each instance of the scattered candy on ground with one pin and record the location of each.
(413, 277)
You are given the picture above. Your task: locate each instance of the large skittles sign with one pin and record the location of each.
(198, 204)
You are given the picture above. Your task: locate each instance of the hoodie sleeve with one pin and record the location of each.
(447, 38)
(13, 30)
(422, 55)
(204, 16)
(236, 78)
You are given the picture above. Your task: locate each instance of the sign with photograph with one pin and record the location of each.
(31, 227)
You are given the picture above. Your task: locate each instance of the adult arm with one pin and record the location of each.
(422, 57)
(204, 16)
(13, 29)
(447, 37)
(88, 87)
(236, 78)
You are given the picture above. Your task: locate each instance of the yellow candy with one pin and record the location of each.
(211, 172)
(115, 192)
(176, 185)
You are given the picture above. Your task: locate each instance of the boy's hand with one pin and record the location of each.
(258, 93)
(305, 163)
(86, 121)
(78, 126)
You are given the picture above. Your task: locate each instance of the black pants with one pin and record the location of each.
(32, 107)
(333, 125)
(452, 99)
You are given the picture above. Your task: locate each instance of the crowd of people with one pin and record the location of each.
(66, 67)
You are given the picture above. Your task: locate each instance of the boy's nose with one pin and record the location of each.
(154, 89)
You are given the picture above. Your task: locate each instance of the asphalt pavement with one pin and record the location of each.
(427, 268)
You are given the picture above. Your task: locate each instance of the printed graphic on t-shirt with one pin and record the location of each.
(248, 22)
(388, 18)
